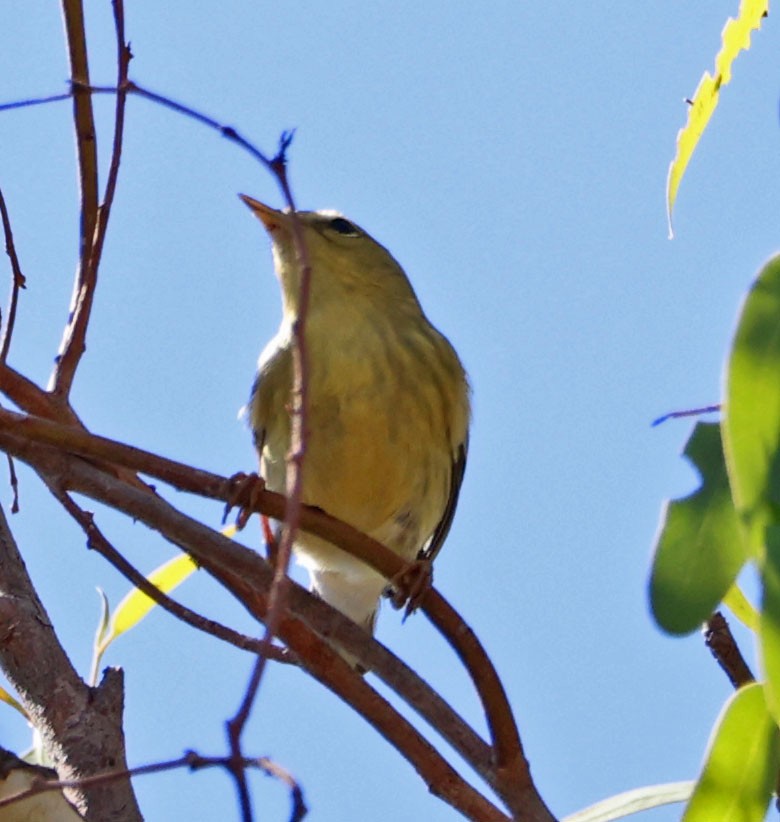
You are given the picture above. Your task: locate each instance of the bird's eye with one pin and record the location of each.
(343, 226)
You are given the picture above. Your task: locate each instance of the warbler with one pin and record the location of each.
(388, 405)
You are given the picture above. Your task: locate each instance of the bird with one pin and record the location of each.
(388, 405)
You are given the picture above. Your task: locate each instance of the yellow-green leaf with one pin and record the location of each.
(136, 605)
(9, 700)
(769, 631)
(741, 607)
(740, 767)
(751, 422)
(734, 38)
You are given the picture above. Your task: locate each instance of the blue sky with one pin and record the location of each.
(513, 157)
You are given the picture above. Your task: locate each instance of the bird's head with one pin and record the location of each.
(346, 262)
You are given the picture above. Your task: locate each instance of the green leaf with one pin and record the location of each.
(699, 550)
(751, 425)
(769, 626)
(633, 801)
(740, 767)
(734, 38)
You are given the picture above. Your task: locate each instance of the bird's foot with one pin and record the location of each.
(245, 490)
(407, 589)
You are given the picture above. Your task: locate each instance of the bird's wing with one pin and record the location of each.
(432, 549)
(258, 426)
(270, 389)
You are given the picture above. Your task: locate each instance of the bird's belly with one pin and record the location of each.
(363, 466)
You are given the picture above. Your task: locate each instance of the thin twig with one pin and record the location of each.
(72, 345)
(130, 87)
(688, 412)
(74, 340)
(97, 541)
(191, 760)
(276, 771)
(12, 478)
(36, 101)
(295, 462)
(18, 282)
(228, 132)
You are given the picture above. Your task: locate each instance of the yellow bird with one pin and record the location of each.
(388, 407)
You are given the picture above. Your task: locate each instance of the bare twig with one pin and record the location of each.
(295, 464)
(228, 132)
(130, 87)
(14, 484)
(191, 760)
(36, 101)
(72, 345)
(74, 340)
(17, 283)
(719, 639)
(97, 541)
(688, 412)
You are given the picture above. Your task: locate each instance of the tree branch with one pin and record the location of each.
(73, 341)
(719, 639)
(248, 577)
(81, 726)
(17, 282)
(96, 541)
(510, 777)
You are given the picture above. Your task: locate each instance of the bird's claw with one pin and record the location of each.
(407, 589)
(245, 490)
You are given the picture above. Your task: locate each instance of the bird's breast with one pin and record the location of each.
(377, 448)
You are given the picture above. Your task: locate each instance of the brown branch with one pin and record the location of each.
(191, 760)
(248, 577)
(14, 485)
(81, 726)
(96, 541)
(27, 395)
(511, 779)
(75, 344)
(73, 341)
(719, 639)
(17, 283)
(442, 780)
(33, 399)
(299, 405)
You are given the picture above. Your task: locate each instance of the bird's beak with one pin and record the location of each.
(270, 217)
